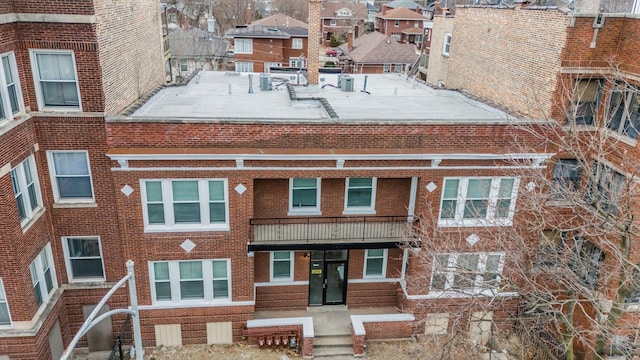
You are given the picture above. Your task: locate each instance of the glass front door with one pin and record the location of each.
(327, 277)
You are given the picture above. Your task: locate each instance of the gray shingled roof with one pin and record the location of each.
(377, 48)
(405, 4)
(196, 43)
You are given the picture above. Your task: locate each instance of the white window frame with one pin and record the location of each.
(271, 262)
(446, 45)
(184, 65)
(68, 259)
(243, 46)
(306, 210)
(167, 202)
(39, 272)
(386, 68)
(4, 301)
(384, 264)
(366, 210)
(244, 66)
(54, 179)
(481, 270)
(297, 43)
(396, 23)
(18, 175)
(397, 68)
(36, 78)
(174, 283)
(461, 197)
(333, 22)
(5, 101)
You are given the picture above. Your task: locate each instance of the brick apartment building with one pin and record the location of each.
(578, 68)
(232, 202)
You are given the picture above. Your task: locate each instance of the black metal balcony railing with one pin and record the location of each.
(321, 229)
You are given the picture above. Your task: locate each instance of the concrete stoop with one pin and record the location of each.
(333, 346)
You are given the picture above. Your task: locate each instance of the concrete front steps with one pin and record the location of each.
(335, 346)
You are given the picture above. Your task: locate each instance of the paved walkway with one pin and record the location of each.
(327, 320)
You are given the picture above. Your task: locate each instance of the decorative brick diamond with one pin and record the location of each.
(240, 189)
(473, 239)
(127, 190)
(188, 245)
(531, 186)
(431, 186)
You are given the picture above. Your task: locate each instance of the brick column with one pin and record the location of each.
(313, 61)
(307, 347)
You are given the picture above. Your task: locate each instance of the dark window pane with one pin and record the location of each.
(87, 268)
(374, 266)
(60, 94)
(186, 213)
(217, 212)
(476, 209)
(155, 213)
(74, 187)
(191, 290)
(220, 289)
(163, 291)
(359, 197)
(281, 269)
(448, 209)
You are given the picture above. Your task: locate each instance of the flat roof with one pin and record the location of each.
(388, 97)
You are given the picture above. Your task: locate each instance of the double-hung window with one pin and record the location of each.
(5, 316)
(466, 272)
(11, 103)
(585, 98)
(193, 281)
(567, 178)
(360, 196)
(304, 196)
(185, 205)
(83, 256)
(281, 266)
(386, 68)
(26, 190)
(296, 43)
(71, 176)
(243, 46)
(43, 276)
(243, 66)
(624, 111)
(56, 80)
(375, 263)
(478, 201)
(606, 188)
(446, 46)
(585, 261)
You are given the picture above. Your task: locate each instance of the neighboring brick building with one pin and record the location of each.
(275, 41)
(376, 53)
(338, 18)
(401, 24)
(580, 70)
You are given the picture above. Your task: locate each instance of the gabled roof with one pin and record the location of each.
(280, 20)
(256, 31)
(377, 48)
(404, 3)
(401, 13)
(330, 8)
(195, 43)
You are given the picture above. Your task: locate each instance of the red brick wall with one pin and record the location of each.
(193, 321)
(289, 51)
(77, 37)
(388, 330)
(79, 7)
(266, 50)
(485, 138)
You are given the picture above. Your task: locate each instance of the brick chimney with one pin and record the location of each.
(350, 40)
(313, 54)
(384, 9)
(249, 14)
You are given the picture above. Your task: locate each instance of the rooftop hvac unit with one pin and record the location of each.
(340, 80)
(265, 82)
(347, 83)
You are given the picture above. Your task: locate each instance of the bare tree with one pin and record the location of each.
(565, 262)
(298, 10)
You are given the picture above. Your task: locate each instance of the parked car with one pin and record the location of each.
(333, 52)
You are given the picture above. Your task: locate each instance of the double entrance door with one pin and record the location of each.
(328, 277)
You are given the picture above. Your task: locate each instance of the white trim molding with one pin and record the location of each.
(47, 18)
